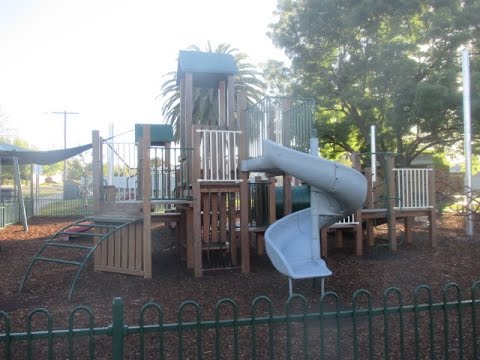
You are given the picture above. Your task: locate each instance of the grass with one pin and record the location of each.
(73, 207)
(50, 189)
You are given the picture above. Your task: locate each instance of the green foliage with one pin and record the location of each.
(278, 77)
(393, 64)
(78, 167)
(8, 170)
(52, 169)
(205, 101)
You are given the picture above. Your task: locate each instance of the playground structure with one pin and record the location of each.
(218, 206)
(396, 194)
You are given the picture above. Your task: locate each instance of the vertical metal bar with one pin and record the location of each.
(225, 157)
(91, 340)
(210, 147)
(8, 339)
(158, 308)
(217, 165)
(386, 328)
(414, 193)
(49, 333)
(206, 160)
(474, 297)
(446, 329)
(354, 327)
(117, 329)
(427, 183)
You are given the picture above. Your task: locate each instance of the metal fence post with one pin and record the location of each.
(117, 329)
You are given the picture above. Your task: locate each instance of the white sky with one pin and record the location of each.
(105, 58)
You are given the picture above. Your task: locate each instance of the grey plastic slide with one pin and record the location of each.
(338, 191)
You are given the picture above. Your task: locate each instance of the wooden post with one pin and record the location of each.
(187, 233)
(369, 205)
(147, 190)
(287, 194)
(242, 155)
(181, 125)
(356, 164)
(324, 241)
(391, 216)
(221, 104)
(339, 238)
(407, 228)
(195, 237)
(231, 104)
(272, 206)
(97, 171)
(245, 244)
(432, 233)
(358, 234)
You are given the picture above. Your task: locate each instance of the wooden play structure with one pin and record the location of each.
(396, 194)
(216, 209)
(219, 213)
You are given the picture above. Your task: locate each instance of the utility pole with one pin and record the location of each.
(64, 113)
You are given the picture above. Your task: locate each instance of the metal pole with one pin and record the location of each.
(65, 113)
(314, 204)
(373, 157)
(64, 144)
(467, 126)
(110, 154)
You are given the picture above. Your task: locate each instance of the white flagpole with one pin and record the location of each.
(467, 128)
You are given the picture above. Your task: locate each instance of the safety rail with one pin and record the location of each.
(168, 171)
(121, 169)
(412, 187)
(390, 330)
(285, 120)
(219, 151)
(351, 219)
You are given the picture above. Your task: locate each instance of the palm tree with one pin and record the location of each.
(205, 101)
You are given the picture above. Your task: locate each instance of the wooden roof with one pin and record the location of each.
(207, 68)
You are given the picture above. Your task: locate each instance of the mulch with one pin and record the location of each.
(456, 259)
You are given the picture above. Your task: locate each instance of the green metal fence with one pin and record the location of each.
(299, 330)
(10, 212)
(58, 205)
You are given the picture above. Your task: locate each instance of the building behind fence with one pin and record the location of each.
(422, 329)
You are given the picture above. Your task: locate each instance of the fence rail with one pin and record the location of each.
(10, 212)
(423, 329)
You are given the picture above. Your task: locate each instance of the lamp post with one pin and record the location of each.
(64, 113)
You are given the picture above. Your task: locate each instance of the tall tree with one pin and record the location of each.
(205, 101)
(393, 64)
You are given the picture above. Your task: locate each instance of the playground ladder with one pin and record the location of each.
(82, 229)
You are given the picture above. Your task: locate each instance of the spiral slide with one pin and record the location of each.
(293, 242)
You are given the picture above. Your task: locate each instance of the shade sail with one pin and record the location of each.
(8, 152)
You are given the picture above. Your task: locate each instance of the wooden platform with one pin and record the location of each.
(407, 214)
